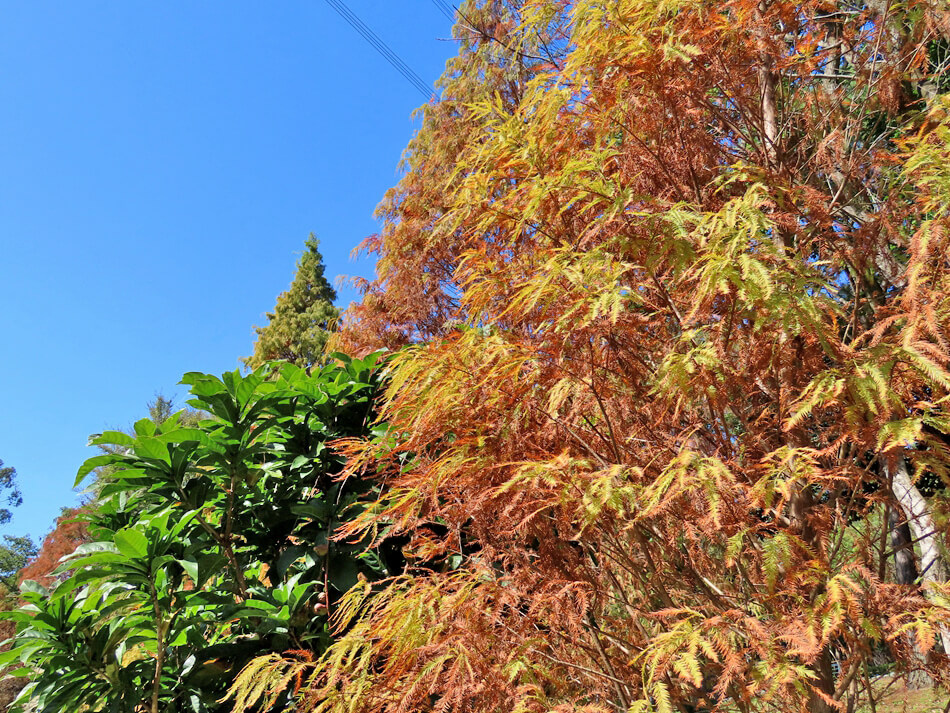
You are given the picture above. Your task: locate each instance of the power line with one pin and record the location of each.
(449, 13)
(373, 39)
(398, 64)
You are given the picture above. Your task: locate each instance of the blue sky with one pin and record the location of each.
(162, 164)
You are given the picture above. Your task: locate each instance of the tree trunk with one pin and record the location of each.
(768, 83)
(905, 565)
(906, 573)
(917, 512)
(800, 504)
(825, 682)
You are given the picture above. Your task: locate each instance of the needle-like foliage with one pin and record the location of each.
(300, 325)
(673, 278)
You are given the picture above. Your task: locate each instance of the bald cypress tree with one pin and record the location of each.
(298, 328)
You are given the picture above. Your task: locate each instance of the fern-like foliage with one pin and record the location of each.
(672, 281)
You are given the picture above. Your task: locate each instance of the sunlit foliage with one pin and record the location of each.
(300, 325)
(673, 275)
(209, 543)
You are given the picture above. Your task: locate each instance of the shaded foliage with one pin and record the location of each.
(14, 555)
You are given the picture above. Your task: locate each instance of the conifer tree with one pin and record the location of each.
(298, 328)
(674, 289)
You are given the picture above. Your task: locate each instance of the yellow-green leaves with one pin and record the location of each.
(677, 293)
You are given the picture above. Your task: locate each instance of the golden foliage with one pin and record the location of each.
(674, 278)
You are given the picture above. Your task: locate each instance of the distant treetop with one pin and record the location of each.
(298, 328)
(13, 497)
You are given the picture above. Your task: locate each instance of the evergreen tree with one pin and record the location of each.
(304, 316)
(14, 498)
(14, 555)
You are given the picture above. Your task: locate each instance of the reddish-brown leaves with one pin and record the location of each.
(69, 533)
(678, 295)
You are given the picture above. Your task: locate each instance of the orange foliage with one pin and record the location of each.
(69, 532)
(675, 277)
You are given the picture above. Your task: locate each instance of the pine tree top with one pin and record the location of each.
(299, 327)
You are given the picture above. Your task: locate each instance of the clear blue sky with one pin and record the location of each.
(162, 164)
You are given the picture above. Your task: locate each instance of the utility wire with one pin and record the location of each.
(448, 12)
(373, 39)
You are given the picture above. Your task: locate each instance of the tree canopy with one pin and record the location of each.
(11, 491)
(69, 532)
(673, 285)
(299, 326)
(17, 550)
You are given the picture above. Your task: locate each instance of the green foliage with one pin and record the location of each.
(212, 545)
(300, 324)
(9, 485)
(17, 550)
(13, 557)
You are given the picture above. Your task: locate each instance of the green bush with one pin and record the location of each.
(212, 545)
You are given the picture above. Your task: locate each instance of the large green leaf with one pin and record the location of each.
(132, 543)
(153, 448)
(111, 438)
(92, 463)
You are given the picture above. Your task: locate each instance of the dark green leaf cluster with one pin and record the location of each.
(213, 544)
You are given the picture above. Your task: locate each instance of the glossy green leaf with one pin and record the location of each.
(153, 448)
(132, 543)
